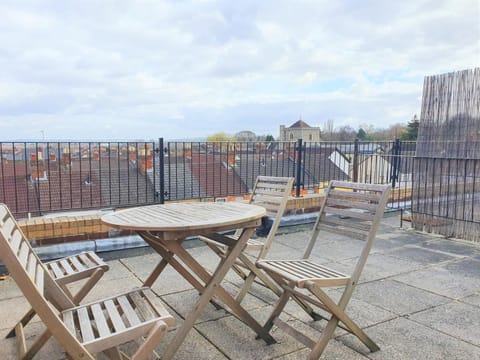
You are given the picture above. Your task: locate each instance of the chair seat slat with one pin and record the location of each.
(85, 324)
(114, 315)
(55, 270)
(86, 260)
(128, 311)
(77, 264)
(142, 306)
(67, 268)
(100, 322)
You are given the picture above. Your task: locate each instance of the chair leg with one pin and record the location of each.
(338, 314)
(24, 321)
(282, 301)
(154, 337)
(92, 280)
(37, 345)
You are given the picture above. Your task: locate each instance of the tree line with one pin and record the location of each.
(404, 132)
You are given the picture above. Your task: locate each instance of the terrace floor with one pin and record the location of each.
(419, 298)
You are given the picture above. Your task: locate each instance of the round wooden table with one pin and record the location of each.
(164, 227)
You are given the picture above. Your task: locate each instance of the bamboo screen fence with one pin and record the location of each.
(446, 183)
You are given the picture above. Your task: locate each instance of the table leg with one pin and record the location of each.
(212, 286)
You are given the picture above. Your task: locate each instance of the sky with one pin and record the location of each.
(122, 70)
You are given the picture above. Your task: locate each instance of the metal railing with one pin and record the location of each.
(45, 177)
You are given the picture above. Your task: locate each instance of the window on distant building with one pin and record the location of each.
(291, 136)
(310, 137)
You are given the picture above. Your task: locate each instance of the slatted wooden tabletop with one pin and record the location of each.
(182, 217)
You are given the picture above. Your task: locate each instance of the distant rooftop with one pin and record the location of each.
(300, 124)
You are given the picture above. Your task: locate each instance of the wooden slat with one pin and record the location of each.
(69, 321)
(142, 306)
(23, 253)
(114, 315)
(269, 192)
(93, 258)
(85, 324)
(355, 195)
(66, 267)
(349, 213)
(57, 272)
(9, 227)
(77, 264)
(357, 186)
(128, 311)
(267, 199)
(351, 204)
(86, 260)
(31, 265)
(16, 240)
(100, 322)
(39, 277)
(345, 231)
(358, 225)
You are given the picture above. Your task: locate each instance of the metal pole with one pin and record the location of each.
(299, 167)
(355, 160)
(161, 154)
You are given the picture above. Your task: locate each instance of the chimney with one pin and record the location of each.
(37, 166)
(132, 153)
(66, 160)
(231, 160)
(145, 160)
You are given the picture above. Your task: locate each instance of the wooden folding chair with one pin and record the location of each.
(271, 193)
(350, 209)
(83, 330)
(84, 266)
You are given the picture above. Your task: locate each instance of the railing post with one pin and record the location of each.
(298, 172)
(395, 162)
(355, 160)
(161, 158)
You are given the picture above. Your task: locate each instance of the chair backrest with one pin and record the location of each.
(353, 210)
(272, 193)
(33, 278)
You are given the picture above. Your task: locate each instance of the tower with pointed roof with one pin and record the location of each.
(299, 130)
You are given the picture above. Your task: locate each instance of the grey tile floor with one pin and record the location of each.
(419, 298)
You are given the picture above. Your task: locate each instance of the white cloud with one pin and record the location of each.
(178, 69)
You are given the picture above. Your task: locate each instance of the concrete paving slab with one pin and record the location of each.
(455, 319)
(394, 238)
(452, 247)
(335, 350)
(378, 266)
(402, 339)
(420, 255)
(12, 311)
(184, 301)
(397, 297)
(406, 305)
(52, 350)
(472, 299)
(237, 340)
(454, 279)
(9, 289)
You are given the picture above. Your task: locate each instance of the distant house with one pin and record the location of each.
(299, 130)
(215, 175)
(325, 163)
